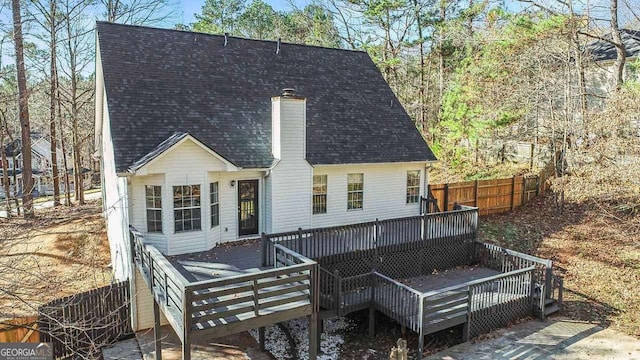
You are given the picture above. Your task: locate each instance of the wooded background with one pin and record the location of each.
(473, 75)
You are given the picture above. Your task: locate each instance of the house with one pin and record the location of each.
(603, 53)
(41, 164)
(207, 139)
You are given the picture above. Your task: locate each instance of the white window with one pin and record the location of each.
(319, 194)
(413, 186)
(153, 196)
(215, 204)
(186, 208)
(355, 191)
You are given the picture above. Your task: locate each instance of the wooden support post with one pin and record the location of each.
(372, 309)
(475, 195)
(264, 249)
(299, 250)
(314, 343)
(338, 289)
(157, 329)
(446, 197)
(186, 324)
(261, 339)
(513, 192)
(524, 190)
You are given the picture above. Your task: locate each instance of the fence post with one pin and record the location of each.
(475, 194)
(446, 197)
(513, 192)
(524, 190)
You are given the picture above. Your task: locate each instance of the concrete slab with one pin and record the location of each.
(556, 338)
(123, 350)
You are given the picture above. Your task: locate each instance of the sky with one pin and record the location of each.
(191, 7)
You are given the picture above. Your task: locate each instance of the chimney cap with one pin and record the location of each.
(288, 92)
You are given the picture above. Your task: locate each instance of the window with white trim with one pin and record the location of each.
(186, 208)
(413, 186)
(153, 198)
(355, 191)
(215, 204)
(319, 194)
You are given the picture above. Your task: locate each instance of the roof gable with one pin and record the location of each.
(146, 164)
(602, 50)
(159, 82)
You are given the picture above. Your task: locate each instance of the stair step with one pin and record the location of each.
(551, 309)
(548, 302)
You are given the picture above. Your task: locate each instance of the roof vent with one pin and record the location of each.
(278, 46)
(288, 92)
(226, 38)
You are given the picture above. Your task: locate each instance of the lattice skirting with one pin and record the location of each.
(485, 320)
(405, 260)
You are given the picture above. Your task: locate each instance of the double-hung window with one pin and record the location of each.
(355, 191)
(319, 194)
(413, 186)
(153, 198)
(215, 204)
(186, 208)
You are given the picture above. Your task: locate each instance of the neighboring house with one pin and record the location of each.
(600, 76)
(200, 145)
(41, 164)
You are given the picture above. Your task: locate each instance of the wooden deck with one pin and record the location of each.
(224, 291)
(447, 278)
(223, 260)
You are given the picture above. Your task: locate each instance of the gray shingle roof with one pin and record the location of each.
(159, 82)
(604, 51)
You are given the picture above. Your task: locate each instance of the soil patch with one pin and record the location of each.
(62, 252)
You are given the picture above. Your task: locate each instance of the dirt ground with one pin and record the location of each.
(62, 252)
(594, 247)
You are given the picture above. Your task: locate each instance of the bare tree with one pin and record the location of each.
(621, 56)
(138, 12)
(25, 126)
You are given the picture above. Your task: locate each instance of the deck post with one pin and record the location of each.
(186, 324)
(157, 329)
(372, 308)
(314, 336)
(261, 339)
(421, 328)
(265, 249)
(338, 289)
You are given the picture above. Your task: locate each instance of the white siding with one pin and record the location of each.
(144, 305)
(384, 193)
(190, 164)
(291, 177)
(138, 209)
(114, 192)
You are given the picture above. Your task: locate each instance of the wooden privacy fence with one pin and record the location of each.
(81, 324)
(19, 330)
(489, 196)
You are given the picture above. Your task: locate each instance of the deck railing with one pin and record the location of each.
(505, 260)
(167, 284)
(397, 301)
(208, 307)
(354, 240)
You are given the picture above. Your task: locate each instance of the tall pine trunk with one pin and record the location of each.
(52, 116)
(25, 127)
